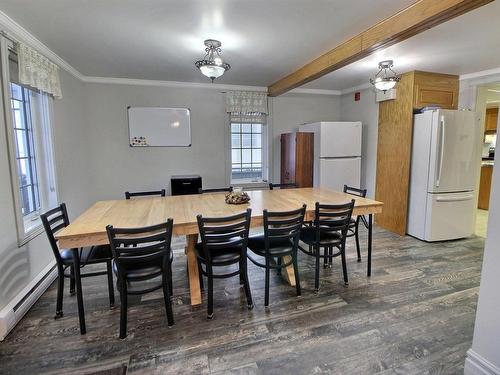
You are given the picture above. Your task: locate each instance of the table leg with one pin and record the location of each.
(370, 227)
(79, 292)
(194, 278)
(287, 272)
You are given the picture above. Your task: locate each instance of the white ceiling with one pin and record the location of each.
(466, 44)
(262, 39)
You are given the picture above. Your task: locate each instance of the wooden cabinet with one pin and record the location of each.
(485, 187)
(435, 89)
(297, 158)
(395, 134)
(491, 120)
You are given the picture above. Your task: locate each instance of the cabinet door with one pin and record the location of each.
(288, 145)
(435, 89)
(491, 119)
(485, 187)
(304, 159)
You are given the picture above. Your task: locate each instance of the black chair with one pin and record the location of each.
(354, 225)
(329, 231)
(160, 193)
(216, 190)
(280, 238)
(223, 243)
(141, 255)
(53, 221)
(291, 185)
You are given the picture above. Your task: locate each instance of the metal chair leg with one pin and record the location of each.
(266, 292)
(200, 275)
(60, 290)
(325, 259)
(279, 263)
(356, 235)
(296, 273)
(123, 309)
(79, 292)
(210, 312)
(72, 281)
(111, 290)
(344, 265)
(167, 293)
(246, 284)
(316, 275)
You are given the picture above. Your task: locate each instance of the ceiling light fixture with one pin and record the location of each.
(212, 65)
(386, 78)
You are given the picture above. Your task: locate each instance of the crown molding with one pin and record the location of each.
(350, 90)
(315, 91)
(481, 74)
(150, 82)
(19, 33)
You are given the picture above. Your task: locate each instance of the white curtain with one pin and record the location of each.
(37, 71)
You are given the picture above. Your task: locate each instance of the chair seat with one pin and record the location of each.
(89, 255)
(139, 273)
(257, 244)
(220, 257)
(308, 236)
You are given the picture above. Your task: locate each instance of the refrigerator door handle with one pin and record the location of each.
(454, 199)
(441, 151)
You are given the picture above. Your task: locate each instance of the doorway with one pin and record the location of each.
(488, 100)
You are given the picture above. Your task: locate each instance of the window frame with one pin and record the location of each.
(264, 147)
(29, 226)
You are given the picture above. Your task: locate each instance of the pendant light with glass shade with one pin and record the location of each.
(386, 78)
(212, 65)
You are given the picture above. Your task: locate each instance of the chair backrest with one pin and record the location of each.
(291, 185)
(224, 232)
(355, 191)
(216, 190)
(129, 195)
(141, 246)
(53, 221)
(331, 218)
(283, 225)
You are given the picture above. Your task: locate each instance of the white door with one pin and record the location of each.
(449, 216)
(335, 173)
(454, 159)
(340, 139)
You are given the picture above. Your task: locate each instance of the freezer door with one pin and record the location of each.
(340, 139)
(449, 216)
(454, 159)
(334, 173)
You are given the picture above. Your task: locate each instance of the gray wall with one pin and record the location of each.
(115, 167)
(366, 111)
(18, 266)
(290, 111)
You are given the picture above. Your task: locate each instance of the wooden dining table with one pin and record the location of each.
(89, 229)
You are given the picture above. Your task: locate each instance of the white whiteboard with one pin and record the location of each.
(157, 127)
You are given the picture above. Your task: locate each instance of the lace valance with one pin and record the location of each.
(37, 71)
(246, 102)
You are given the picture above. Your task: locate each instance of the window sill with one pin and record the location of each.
(249, 183)
(31, 230)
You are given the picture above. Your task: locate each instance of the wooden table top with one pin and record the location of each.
(90, 227)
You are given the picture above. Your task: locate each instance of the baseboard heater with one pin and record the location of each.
(11, 314)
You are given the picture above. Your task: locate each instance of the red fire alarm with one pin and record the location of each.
(357, 96)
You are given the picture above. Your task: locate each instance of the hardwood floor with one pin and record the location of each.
(414, 316)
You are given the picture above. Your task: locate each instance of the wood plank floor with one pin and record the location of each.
(414, 316)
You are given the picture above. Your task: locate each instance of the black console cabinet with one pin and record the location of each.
(187, 184)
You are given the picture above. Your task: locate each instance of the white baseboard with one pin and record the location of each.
(10, 315)
(475, 364)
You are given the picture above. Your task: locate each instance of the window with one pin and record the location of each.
(32, 167)
(25, 150)
(248, 145)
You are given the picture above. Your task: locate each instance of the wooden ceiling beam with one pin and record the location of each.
(418, 17)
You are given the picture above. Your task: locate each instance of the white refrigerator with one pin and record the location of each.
(444, 167)
(337, 153)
